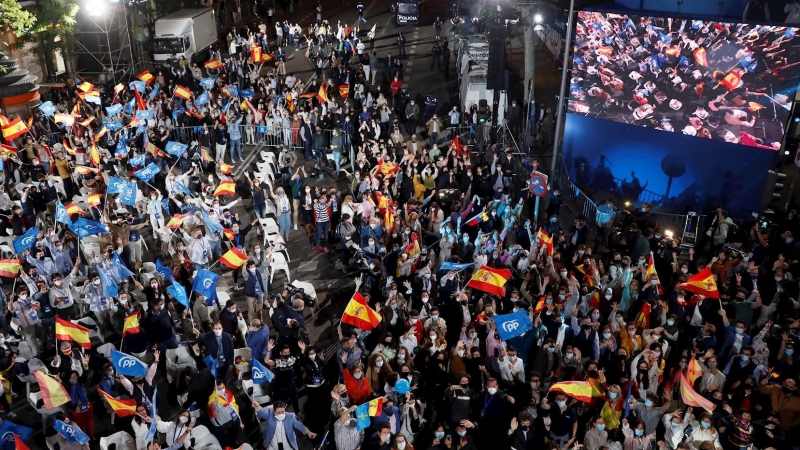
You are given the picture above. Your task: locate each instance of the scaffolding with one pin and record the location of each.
(104, 53)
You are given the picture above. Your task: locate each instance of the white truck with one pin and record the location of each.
(187, 32)
(472, 51)
(473, 90)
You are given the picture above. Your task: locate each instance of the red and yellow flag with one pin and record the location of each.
(389, 222)
(344, 90)
(692, 398)
(145, 76)
(140, 104)
(732, 81)
(579, 390)
(703, 283)
(643, 318)
(67, 148)
(204, 154)
(322, 95)
(122, 408)
(459, 147)
(83, 170)
(375, 407)
(66, 119)
(86, 121)
(72, 208)
(255, 53)
(176, 221)
(94, 199)
(118, 88)
(86, 86)
(18, 444)
(224, 168)
(9, 268)
(651, 270)
(68, 331)
(182, 92)
(539, 306)
(76, 110)
(388, 168)
(53, 392)
(693, 370)
(227, 187)
(359, 314)
(233, 258)
(8, 150)
(94, 155)
(213, 64)
(490, 280)
(228, 233)
(700, 56)
(14, 129)
(131, 324)
(543, 239)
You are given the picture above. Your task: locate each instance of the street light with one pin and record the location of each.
(96, 8)
(537, 19)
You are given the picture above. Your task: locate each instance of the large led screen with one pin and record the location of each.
(712, 80)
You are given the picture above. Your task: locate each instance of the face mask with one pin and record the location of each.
(379, 363)
(401, 356)
(561, 404)
(183, 419)
(97, 282)
(684, 270)
(563, 274)
(401, 445)
(597, 316)
(778, 279)
(789, 240)
(491, 390)
(280, 417)
(439, 435)
(670, 323)
(740, 331)
(562, 297)
(570, 356)
(618, 319)
(551, 349)
(654, 282)
(434, 317)
(648, 403)
(705, 424)
(639, 432)
(675, 425)
(424, 299)
(682, 365)
(358, 376)
(612, 395)
(433, 337)
(461, 354)
(217, 333)
(461, 433)
(58, 282)
(473, 335)
(312, 356)
(712, 365)
(789, 351)
(746, 358)
(601, 427)
(549, 301)
(220, 392)
(606, 335)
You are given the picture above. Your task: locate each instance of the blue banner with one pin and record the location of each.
(115, 185)
(122, 148)
(178, 292)
(24, 242)
(208, 83)
(138, 85)
(10, 429)
(202, 99)
(512, 325)
(110, 288)
(144, 114)
(205, 283)
(456, 267)
(47, 108)
(113, 110)
(151, 433)
(259, 373)
(175, 148)
(211, 225)
(61, 213)
(120, 268)
(211, 363)
(178, 186)
(147, 173)
(232, 90)
(247, 92)
(128, 365)
(155, 91)
(85, 227)
(129, 193)
(71, 432)
(137, 161)
(166, 272)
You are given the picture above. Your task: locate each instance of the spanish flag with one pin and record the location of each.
(732, 81)
(344, 90)
(255, 53)
(72, 208)
(102, 132)
(8, 150)
(213, 64)
(94, 155)
(118, 88)
(204, 154)
(359, 314)
(83, 170)
(755, 106)
(700, 56)
(122, 408)
(389, 221)
(228, 233)
(68, 331)
(66, 119)
(9, 268)
(53, 392)
(155, 151)
(703, 283)
(145, 76)
(307, 95)
(579, 390)
(693, 370)
(389, 168)
(651, 270)
(182, 92)
(227, 187)
(140, 104)
(543, 239)
(490, 280)
(322, 95)
(234, 258)
(176, 221)
(643, 318)
(68, 149)
(87, 121)
(224, 168)
(375, 407)
(539, 306)
(131, 324)
(86, 86)
(19, 444)
(94, 199)
(76, 110)
(14, 129)
(383, 202)
(459, 147)
(692, 398)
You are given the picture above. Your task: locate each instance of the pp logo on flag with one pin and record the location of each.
(510, 326)
(27, 240)
(118, 185)
(127, 361)
(258, 374)
(8, 437)
(207, 283)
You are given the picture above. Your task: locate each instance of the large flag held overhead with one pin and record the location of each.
(53, 392)
(25, 241)
(692, 398)
(702, 283)
(490, 280)
(227, 187)
(148, 172)
(68, 331)
(512, 325)
(61, 213)
(205, 283)
(175, 148)
(110, 288)
(234, 258)
(20, 433)
(693, 370)
(259, 373)
(651, 270)
(579, 390)
(122, 408)
(543, 239)
(128, 365)
(85, 227)
(14, 129)
(131, 325)
(359, 314)
(9, 268)
(178, 292)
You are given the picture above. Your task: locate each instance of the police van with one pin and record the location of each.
(405, 13)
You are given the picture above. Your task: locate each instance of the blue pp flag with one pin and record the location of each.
(181, 188)
(115, 185)
(166, 272)
(260, 374)
(512, 325)
(129, 193)
(628, 401)
(211, 363)
(175, 148)
(120, 268)
(47, 108)
(129, 106)
(789, 33)
(262, 128)
(247, 92)
(202, 99)
(113, 126)
(85, 227)
(178, 292)
(138, 85)
(211, 226)
(122, 148)
(113, 110)
(71, 432)
(110, 288)
(362, 416)
(137, 161)
(144, 114)
(7, 432)
(177, 112)
(457, 267)
(232, 90)
(128, 365)
(61, 213)
(151, 432)
(205, 283)
(147, 173)
(155, 91)
(208, 83)
(24, 242)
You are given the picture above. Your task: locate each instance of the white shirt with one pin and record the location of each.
(509, 376)
(280, 437)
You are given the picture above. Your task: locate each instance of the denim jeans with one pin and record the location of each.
(337, 158)
(434, 138)
(260, 209)
(236, 144)
(322, 233)
(285, 224)
(198, 266)
(216, 247)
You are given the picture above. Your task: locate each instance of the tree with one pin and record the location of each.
(55, 29)
(15, 19)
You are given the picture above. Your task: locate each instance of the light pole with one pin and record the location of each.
(562, 98)
(109, 16)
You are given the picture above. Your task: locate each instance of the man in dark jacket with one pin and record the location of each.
(219, 346)
(158, 325)
(255, 287)
(522, 435)
(318, 143)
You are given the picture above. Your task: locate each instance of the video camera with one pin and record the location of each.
(295, 291)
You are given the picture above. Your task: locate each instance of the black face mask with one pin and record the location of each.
(788, 391)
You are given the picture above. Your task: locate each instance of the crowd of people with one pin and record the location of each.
(616, 326)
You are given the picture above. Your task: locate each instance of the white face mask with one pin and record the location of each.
(492, 390)
(183, 419)
(220, 392)
(401, 445)
(312, 356)
(217, 333)
(97, 282)
(280, 417)
(58, 283)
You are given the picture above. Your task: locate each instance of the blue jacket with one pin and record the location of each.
(385, 418)
(290, 424)
(250, 284)
(730, 339)
(367, 232)
(257, 341)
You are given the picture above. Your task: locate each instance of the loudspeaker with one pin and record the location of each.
(497, 57)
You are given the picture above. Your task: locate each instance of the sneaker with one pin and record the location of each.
(237, 288)
(325, 249)
(314, 248)
(295, 227)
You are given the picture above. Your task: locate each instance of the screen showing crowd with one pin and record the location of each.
(714, 80)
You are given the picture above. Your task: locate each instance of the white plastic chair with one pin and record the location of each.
(278, 263)
(199, 432)
(94, 328)
(105, 350)
(246, 355)
(178, 359)
(255, 394)
(121, 439)
(280, 246)
(33, 399)
(209, 442)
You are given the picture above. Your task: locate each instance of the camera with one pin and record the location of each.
(300, 292)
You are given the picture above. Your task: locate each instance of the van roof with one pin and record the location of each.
(189, 13)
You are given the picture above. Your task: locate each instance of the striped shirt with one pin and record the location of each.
(347, 438)
(321, 213)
